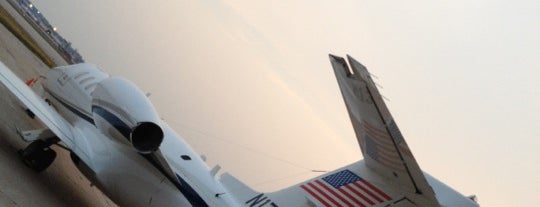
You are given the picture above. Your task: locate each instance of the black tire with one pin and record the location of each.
(76, 160)
(38, 155)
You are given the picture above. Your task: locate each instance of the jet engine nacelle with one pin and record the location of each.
(122, 111)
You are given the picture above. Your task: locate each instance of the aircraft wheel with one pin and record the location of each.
(76, 160)
(38, 155)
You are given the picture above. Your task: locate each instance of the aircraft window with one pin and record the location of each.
(79, 75)
(86, 80)
(90, 86)
(185, 157)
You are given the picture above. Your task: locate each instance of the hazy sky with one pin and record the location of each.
(249, 83)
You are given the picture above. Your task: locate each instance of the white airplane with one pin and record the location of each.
(118, 141)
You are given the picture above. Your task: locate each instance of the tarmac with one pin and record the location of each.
(59, 185)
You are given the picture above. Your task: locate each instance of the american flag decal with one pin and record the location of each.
(378, 145)
(344, 188)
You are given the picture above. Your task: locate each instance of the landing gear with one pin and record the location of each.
(38, 155)
(76, 160)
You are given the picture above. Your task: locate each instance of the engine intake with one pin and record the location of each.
(146, 137)
(122, 112)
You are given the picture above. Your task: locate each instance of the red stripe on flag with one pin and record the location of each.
(360, 194)
(377, 190)
(391, 159)
(324, 194)
(390, 163)
(374, 130)
(368, 192)
(334, 193)
(315, 196)
(344, 192)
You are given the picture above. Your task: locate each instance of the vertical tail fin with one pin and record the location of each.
(389, 174)
(383, 146)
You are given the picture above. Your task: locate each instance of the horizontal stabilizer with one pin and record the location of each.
(241, 192)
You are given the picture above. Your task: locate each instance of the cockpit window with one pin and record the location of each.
(185, 157)
(86, 80)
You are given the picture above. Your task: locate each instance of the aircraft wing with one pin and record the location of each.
(48, 115)
(382, 144)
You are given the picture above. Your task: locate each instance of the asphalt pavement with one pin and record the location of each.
(59, 185)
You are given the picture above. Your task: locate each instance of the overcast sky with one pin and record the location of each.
(249, 84)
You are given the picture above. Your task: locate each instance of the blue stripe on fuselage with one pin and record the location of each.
(73, 109)
(113, 120)
(193, 197)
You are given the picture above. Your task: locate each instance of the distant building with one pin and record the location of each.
(42, 25)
